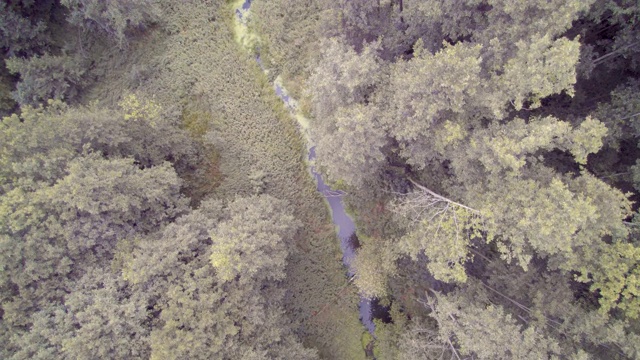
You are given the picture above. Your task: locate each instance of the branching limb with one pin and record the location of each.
(442, 197)
(333, 193)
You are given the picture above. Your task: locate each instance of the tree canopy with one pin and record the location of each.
(157, 199)
(472, 125)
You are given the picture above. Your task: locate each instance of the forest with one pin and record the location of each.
(158, 199)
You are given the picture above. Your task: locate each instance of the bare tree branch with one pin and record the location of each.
(442, 197)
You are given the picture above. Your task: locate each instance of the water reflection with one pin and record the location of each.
(347, 235)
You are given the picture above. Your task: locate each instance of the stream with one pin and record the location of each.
(346, 229)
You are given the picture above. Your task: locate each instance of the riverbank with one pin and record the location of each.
(342, 307)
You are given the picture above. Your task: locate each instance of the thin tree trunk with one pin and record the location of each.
(604, 57)
(442, 197)
(630, 116)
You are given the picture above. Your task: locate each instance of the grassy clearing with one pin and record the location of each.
(193, 63)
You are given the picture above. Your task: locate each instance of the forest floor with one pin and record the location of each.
(193, 63)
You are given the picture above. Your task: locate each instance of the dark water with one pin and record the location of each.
(245, 6)
(380, 312)
(346, 234)
(281, 93)
(346, 227)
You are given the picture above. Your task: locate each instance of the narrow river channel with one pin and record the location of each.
(346, 228)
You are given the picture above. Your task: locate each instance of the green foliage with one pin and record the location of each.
(72, 228)
(136, 109)
(103, 317)
(342, 84)
(393, 340)
(23, 27)
(87, 211)
(488, 332)
(434, 97)
(374, 264)
(366, 339)
(288, 31)
(620, 115)
(508, 149)
(46, 77)
(61, 230)
(616, 278)
(85, 190)
(343, 77)
(518, 212)
(116, 19)
(101, 257)
(6, 86)
(546, 217)
(356, 130)
(252, 243)
(76, 182)
(438, 230)
(39, 142)
(504, 148)
(117, 194)
(618, 50)
(420, 342)
(586, 139)
(201, 316)
(258, 179)
(534, 18)
(467, 112)
(196, 122)
(429, 85)
(540, 67)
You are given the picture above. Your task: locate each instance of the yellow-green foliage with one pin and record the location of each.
(198, 58)
(122, 257)
(197, 122)
(366, 338)
(246, 38)
(441, 235)
(223, 261)
(374, 264)
(618, 279)
(137, 108)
